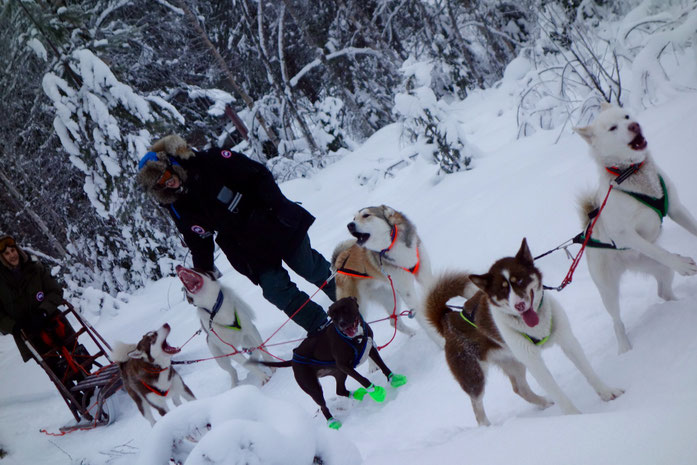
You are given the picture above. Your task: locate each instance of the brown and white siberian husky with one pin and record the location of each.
(147, 374)
(507, 322)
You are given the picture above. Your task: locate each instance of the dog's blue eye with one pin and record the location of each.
(613, 128)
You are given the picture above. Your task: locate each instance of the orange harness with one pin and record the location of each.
(357, 274)
(154, 390)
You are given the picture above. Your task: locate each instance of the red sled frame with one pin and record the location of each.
(103, 382)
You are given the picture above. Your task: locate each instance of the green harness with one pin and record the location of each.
(659, 205)
(538, 342)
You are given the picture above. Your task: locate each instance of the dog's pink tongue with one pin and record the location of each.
(530, 317)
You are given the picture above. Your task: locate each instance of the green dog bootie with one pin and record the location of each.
(333, 423)
(359, 393)
(378, 394)
(397, 380)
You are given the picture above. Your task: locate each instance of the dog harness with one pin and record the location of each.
(154, 390)
(358, 344)
(216, 308)
(469, 318)
(358, 274)
(657, 204)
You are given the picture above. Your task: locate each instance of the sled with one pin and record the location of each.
(84, 380)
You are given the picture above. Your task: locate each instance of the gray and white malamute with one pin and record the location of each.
(507, 322)
(386, 247)
(624, 236)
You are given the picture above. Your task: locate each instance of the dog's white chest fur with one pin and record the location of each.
(366, 353)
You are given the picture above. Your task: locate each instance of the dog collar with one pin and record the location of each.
(361, 340)
(158, 370)
(216, 308)
(393, 234)
(534, 340)
(623, 174)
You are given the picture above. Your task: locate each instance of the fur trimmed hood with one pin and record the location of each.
(166, 152)
(23, 257)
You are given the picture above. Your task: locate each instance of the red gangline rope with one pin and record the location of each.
(589, 231)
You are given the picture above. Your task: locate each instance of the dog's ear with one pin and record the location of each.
(333, 308)
(586, 132)
(524, 254)
(136, 354)
(605, 105)
(482, 281)
(388, 213)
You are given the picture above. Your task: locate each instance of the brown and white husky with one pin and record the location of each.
(147, 374)
(507, 322)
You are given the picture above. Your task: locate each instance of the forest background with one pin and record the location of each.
(296, 84)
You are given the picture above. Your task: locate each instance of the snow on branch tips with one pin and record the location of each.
(429, 122)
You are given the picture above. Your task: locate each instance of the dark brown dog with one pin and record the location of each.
(336, 351)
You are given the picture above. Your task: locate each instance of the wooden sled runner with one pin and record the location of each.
(84, 380)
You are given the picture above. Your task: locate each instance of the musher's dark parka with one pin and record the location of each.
(237, 197)
(27, 294)
(226, 194)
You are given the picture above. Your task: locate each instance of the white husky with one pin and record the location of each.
(387, 252)
(227, 321)
(624, 235)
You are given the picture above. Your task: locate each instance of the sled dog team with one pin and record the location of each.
(507, 319)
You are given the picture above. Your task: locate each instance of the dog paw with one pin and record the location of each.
(397, 380)
(685, 266)
(378, 394)
(333, 423)
(610, 394)
(623, 345)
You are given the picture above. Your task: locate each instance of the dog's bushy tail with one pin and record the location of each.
(341, 248)
(121, 350)
(444, 288)
(586, 204)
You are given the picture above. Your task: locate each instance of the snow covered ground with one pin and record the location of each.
(517, 188)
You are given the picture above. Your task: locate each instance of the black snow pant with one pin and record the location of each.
(284, 294)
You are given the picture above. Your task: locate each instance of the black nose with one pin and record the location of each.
(351, 227)
(635, 128)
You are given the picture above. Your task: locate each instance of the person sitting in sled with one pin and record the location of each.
(258, 228)
(29, 301)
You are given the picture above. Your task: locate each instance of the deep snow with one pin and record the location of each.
(517, 188)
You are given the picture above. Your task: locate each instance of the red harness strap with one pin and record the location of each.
(414, 269)
(154, 390)
(623, 174)
(353, 273)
